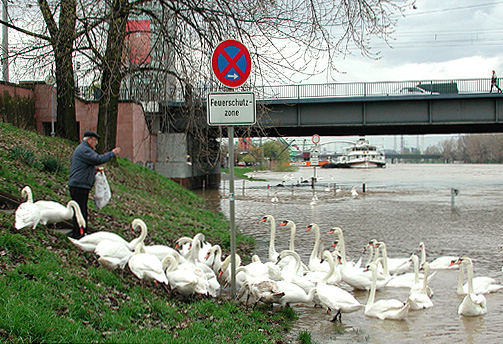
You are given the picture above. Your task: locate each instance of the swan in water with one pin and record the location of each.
(443, 262)
(333, 298)
(412, 280)
(481, 284)
(314, 260)
(384, 309)
(27, 214)
(273, 254)
(354, 193)
(393, 265)
(275, 199)
(88, 243)
(294, 275)
(146, 267)
(420, 299)
(473, 304)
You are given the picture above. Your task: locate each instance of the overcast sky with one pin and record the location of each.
(447, 39)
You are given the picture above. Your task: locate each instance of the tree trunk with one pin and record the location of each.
(112, 76)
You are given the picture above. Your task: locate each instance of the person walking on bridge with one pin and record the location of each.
(494, 82)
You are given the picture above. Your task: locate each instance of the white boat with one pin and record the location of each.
(360, 155)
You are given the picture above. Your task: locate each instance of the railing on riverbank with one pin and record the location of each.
(306, 91)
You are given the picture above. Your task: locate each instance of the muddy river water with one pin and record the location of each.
(404, 204)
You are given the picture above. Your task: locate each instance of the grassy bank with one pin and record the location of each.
(52, 292)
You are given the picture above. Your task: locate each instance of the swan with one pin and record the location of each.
(412, 280)
(481, 284)
(214, 257)
(420, 299)
(443, 262)
(273, 254)
(341, 243)
(183, 244)
(265, 291)
(54, 212)
(27, 215)
(293, 229)
(294, 294)
(146, 267)
(112, 254)
(183, 281)
(293, 275)
(473, 304)
(393, 265)
(384, 309)
(224, 272)
(354, 193)
(314, 261)
(333, 298)
(275, 199)
(88, 243)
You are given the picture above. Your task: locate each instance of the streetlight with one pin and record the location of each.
(50, 80)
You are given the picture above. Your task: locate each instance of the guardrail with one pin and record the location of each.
(307, 91)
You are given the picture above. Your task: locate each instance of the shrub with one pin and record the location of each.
(23, 154)
(51, 164)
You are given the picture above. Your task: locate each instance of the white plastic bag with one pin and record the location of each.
(102, 193)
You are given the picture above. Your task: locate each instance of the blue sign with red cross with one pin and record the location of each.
(231, 63)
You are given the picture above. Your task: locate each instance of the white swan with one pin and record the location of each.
(88, 243)
(393, 265)
(183, 281)
(54, 212)
(314, 260)
(412, 280)
(333, 298)
(146, 267)
(27, 214)
(354, 193)
(275, 199)
(420, 299)
(473, 304)
(113, 254)
(294, 294)
(439, 263)
(214, 257)
(293, 229)
(273, 254)
(481, 284)
(294, 275)
(384, 309)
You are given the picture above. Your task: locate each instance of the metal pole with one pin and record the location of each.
(52, 112)
(5, 43)
(231, 210)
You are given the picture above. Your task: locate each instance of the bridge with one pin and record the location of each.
(372, 108)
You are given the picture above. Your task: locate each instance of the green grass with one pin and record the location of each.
(52, 292)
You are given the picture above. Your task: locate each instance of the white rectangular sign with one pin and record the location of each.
(231, 108)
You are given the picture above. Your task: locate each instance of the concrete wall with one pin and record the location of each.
(132, 131)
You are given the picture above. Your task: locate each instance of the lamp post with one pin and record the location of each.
(50, 80)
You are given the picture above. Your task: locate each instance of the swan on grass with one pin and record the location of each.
(420, 299)
(54, 212)
(147, 267)
(439, 263)
(473, 304)
(333, 298)
(384, 309)
(88, 243)
(112, 254)
(481, 284)
(27, 215)
(264, 291)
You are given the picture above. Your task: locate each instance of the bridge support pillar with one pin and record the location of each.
(179, 159)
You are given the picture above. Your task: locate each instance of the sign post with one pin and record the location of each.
(315, 154)
(231, 64)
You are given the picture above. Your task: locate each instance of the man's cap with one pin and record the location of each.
(91, 134)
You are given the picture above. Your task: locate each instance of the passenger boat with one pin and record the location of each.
(360, 155)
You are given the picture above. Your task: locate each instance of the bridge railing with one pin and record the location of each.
(309, 91)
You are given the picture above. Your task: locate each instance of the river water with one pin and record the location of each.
(403, 205)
